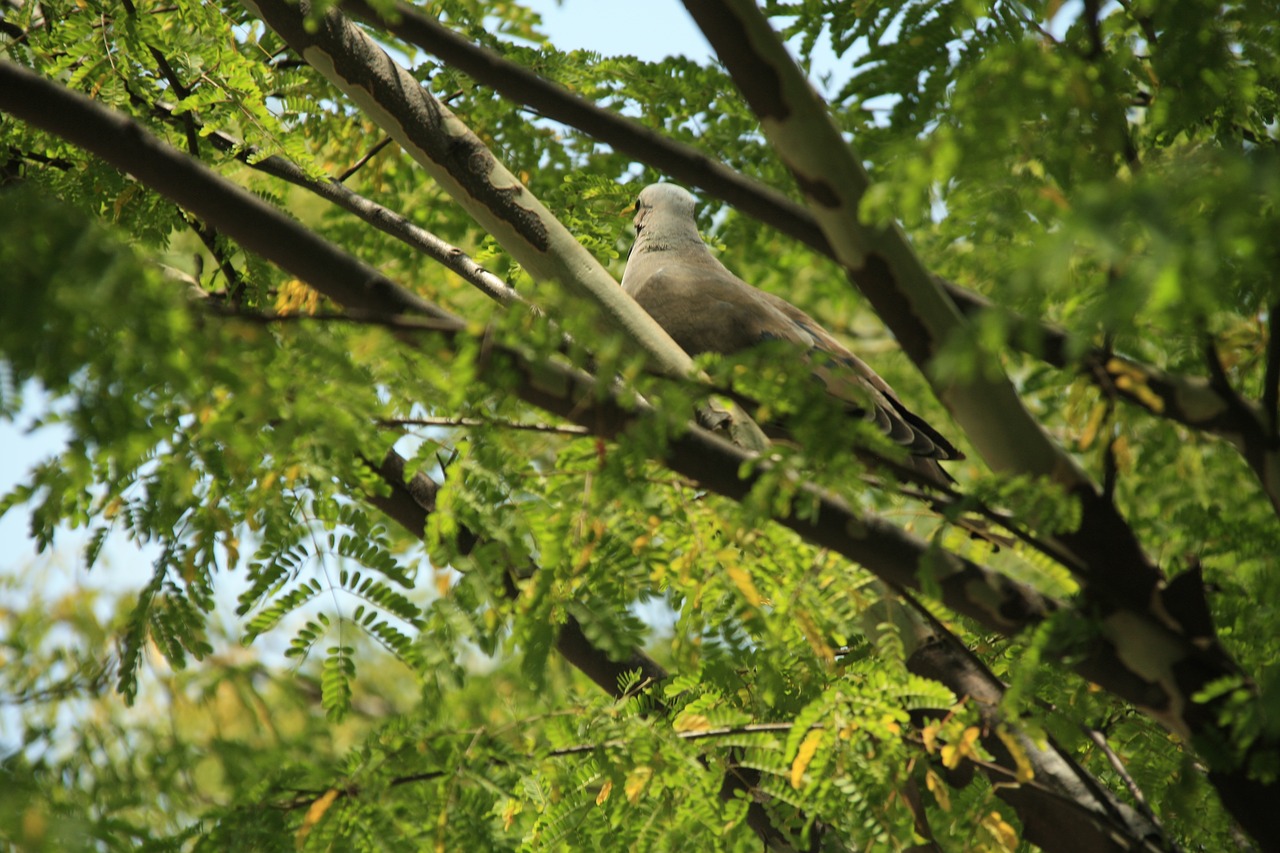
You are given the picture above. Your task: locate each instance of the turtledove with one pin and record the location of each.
(706, 308)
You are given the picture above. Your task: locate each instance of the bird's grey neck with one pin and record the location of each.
(683, 240)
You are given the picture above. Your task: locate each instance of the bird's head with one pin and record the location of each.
(664, 202)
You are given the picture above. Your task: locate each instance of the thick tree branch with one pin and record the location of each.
(883, 265)
(624, 134)
(382, 218)
(1271, 379)
(461, 164)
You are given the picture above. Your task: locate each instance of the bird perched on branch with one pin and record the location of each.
(706, 308)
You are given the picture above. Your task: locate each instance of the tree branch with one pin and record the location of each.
(886, 269)
(465, 168)
(1271, 379)
(558, 429)
(382, 218)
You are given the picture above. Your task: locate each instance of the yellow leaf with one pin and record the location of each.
(814, 636)
(314, 813)
(1000, 832)
(636, 782)
(295, 297)
(1019, 753)
(938, 788)
(35, 823)
(509, 813)
(929, 734)
(124, 198)
(953, 754)
(1122, 453)
(804, 755)
(691, 723)
(605, 790)
(1091, 428)
(1131, 381)
(742, 580)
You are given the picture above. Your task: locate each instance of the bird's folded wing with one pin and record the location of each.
(849, 378)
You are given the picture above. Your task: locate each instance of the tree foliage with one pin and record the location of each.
(455, 487)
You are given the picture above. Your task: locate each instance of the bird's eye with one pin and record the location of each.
(637, 207)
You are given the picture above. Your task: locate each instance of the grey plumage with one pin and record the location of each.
(706, 308)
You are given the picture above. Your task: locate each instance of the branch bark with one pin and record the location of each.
(461, 164)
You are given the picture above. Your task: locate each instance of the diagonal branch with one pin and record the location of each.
(382, 218)
(624, 134)
(466, 169)
(883, 265)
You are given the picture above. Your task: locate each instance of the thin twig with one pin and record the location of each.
(1140, 801)
(396, 322)
(382, 218)
(562, 429)
(355, 167)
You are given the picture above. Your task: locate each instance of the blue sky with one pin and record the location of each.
(648, 29)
